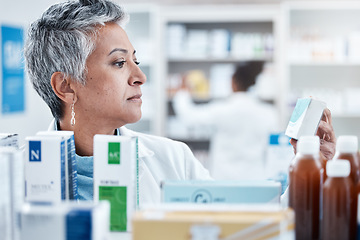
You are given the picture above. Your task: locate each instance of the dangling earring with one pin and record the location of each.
(72, 121)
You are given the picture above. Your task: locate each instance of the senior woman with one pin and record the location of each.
(81, 62)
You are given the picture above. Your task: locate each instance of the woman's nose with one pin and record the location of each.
(137, 77)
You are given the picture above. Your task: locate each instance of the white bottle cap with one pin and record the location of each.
(308, 145)
(338, 168)
(347, 144)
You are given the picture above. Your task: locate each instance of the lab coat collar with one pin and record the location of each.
(143, 150)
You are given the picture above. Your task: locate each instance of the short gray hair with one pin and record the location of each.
(62, 39)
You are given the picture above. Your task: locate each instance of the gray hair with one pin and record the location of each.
(62, 39)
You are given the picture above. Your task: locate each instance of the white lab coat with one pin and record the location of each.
(242, 126)
(161, 159)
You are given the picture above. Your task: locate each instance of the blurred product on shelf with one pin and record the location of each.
(279, 153)
(221, 192)
(198, 84)
(311, 44)
(188, 221)
(9, 139)
(186, 42)
(11, 191)
(65, 221)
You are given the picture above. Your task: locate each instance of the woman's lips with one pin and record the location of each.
(135, 98)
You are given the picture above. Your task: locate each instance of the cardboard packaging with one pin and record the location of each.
(116, 177)
(71, 185)
(45, 169)
(65, 221)
(305, 118)
(220, 192)
(9, 140)
(11, 191)
(180, 222)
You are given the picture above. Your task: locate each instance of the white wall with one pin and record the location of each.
(37, 115)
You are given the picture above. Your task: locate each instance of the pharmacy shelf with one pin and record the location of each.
(247, 19)
(322, 58)
(218, 59)
(328, 63)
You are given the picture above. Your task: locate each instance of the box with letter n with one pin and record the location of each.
(45, 169)
(115, 177)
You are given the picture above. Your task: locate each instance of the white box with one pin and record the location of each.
(116, 177)
(71, 185)
(11, 191)
(45, 169)
(9, 139)
(65, 221)
(305, 118)
(220, 192)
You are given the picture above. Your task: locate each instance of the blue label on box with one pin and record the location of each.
(35, 151)
(300, 108)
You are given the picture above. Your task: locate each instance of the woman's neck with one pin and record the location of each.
(84, 135)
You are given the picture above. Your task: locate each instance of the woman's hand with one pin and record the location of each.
(326, 134)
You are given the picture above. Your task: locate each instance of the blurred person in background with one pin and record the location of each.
(241, 122)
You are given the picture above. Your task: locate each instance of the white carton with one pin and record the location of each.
(115, 177)
(220, 192)
(65, 221)
(71, 186)
(45, 169)
(9, 140)
(11, 191)
(305, 118)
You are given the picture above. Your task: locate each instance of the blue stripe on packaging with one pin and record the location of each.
(79, 225)
(63, 183)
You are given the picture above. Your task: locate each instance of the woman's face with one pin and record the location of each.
(112, 93)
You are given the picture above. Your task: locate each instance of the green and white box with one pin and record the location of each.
(305, 118)
(71, 185)
(116, 177)
(45, 169)
(11, 191)
(220, 192)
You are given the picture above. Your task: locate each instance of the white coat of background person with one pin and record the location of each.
(242, 125)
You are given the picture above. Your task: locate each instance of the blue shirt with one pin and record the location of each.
(85, 170)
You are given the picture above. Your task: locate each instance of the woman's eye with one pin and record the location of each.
(120, 64)
(136, 62)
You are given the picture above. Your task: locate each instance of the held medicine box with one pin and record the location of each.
(305, 118)
(115, 177)
(220, 192)
(194, 221)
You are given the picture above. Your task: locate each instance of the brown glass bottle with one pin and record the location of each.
(339, 202)
(305, 184)
(347, 148)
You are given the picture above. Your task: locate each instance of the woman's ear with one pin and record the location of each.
(62, 87)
